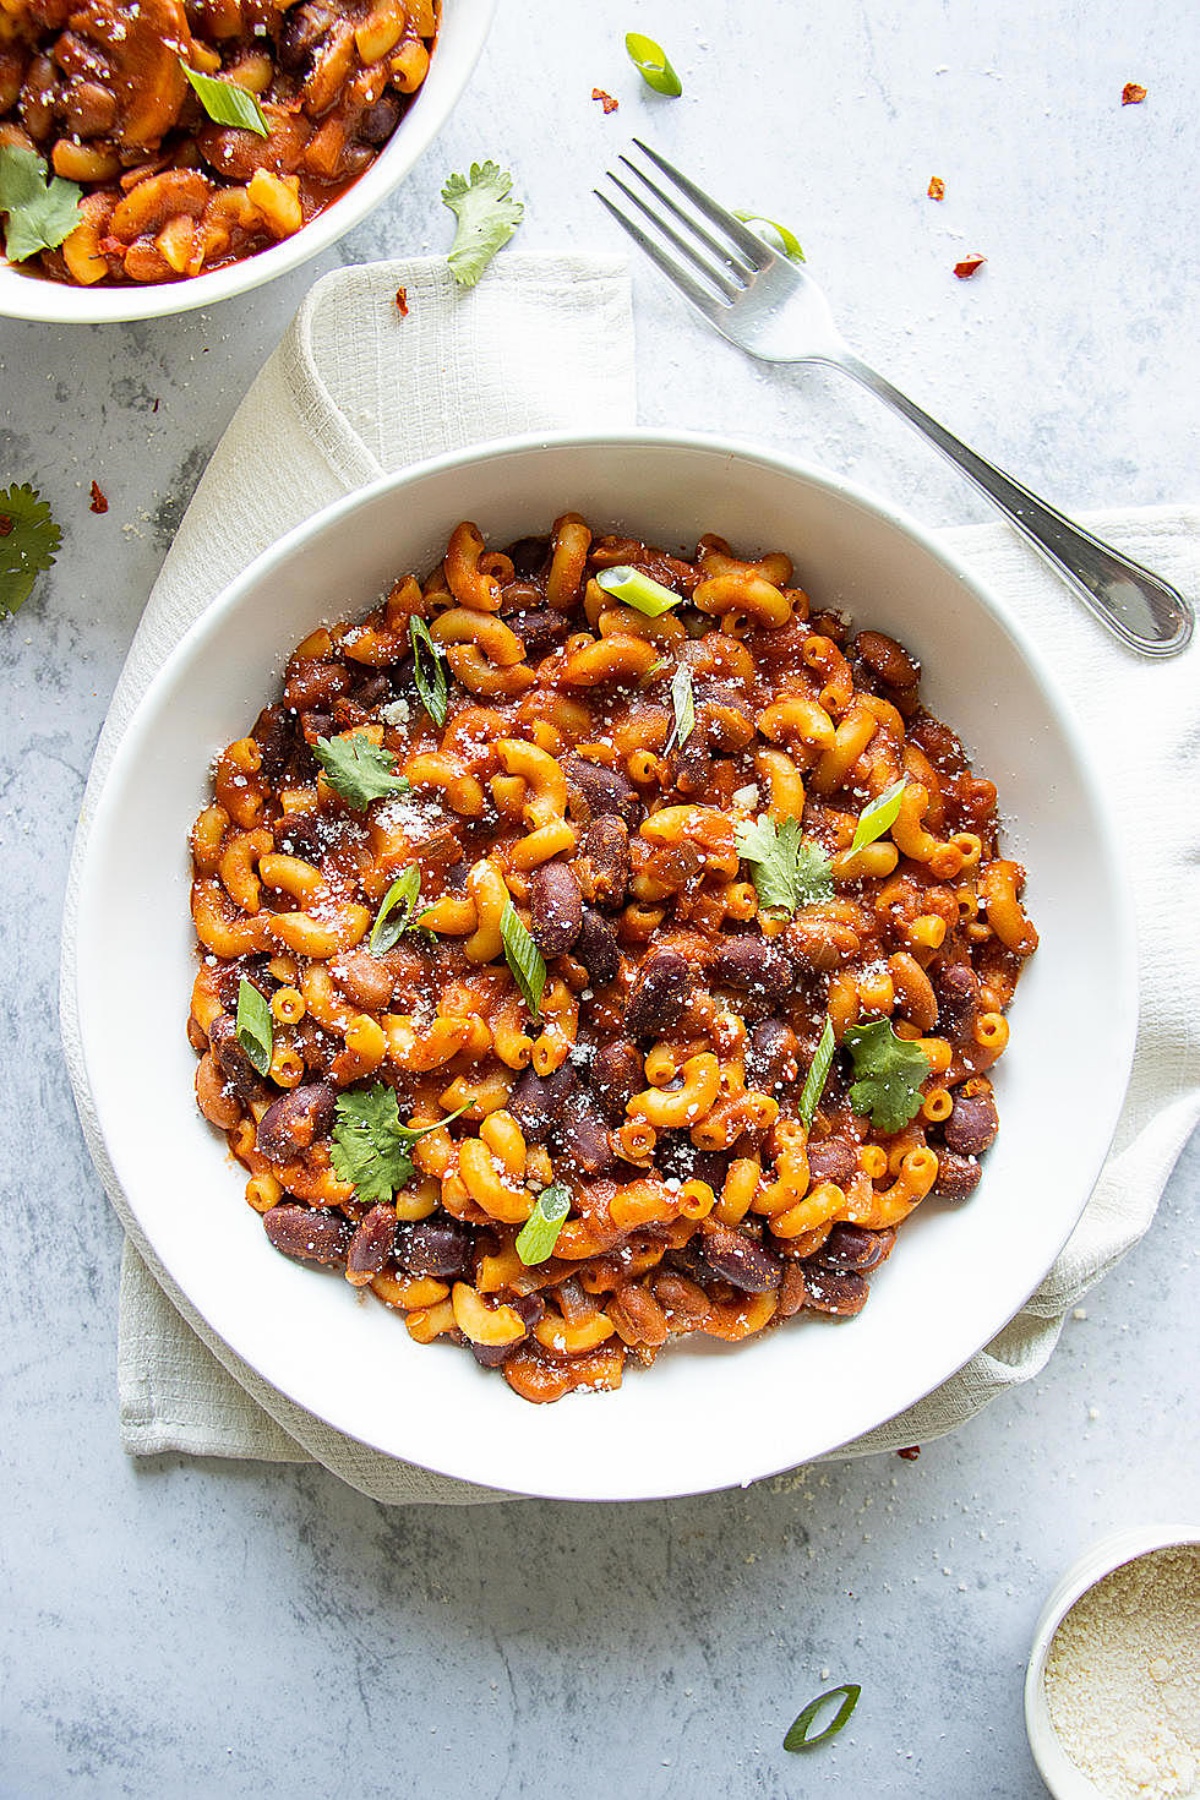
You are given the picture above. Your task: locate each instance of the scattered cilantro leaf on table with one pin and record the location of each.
(789, 870)
(889, 1073)
(40, 209)
(29, 542)
(487, 217)
(371, 1149)
(359, 770)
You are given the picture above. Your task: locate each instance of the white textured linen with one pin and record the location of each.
(354, 391)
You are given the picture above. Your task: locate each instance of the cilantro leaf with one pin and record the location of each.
(370, 1147)
(41, 209)
(487, 218)
(29, 541)
(789, 869)
(359, 770)
(890, 1071)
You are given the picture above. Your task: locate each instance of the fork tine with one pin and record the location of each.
(758, 254)
(719, 276)
(702, 298)
(722, 252)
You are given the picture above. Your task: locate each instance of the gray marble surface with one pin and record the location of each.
(183, 1628)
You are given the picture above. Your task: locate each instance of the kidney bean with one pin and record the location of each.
(840, 1291)
(302, 30)
(294, 1121)
(239, 1073)
(660, 995)
(972, 1125)
(793, 1291)
(691, 764)
(309, 1234)
(741, 1261)
(599, 792)
(605, 851)
(363, 978)
(887, 659)
(275, 734)
(957, 990)
(582, 1134)
(535, 1101)
(854, 1247)
(771, 1058)
(755, 965)
(313, 686)
(832, 1159)
(529, 1308)
(379, 121)
(371, 1245)
(638, 1317)
(556, 908)
(598, 948)
(539, 629)
(957, 1175)
(433, 1247)
(617, 1075)
(677, 1158)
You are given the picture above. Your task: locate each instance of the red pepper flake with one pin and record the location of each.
(402, 302)
(99, 500)
(6, 525)
(1132, 94)
(969, 266)
(606, 100)
(911, 1454)
(937, 188)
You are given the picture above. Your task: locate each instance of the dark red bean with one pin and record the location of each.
(371, 1245)
(238, 1071)
(595, 791)
(302, 30)
(740, 1260)
(379, 121)
(887, 659)
(295, 1121)
(582, 1134)
(618, 1073)
(832, 1159)
(771, 1059)
(539, 630)
(840, 1291)
(605, 853)
(660, 995)
(753, 964)
(854, 1247)
(957, 1175)
(957, 990)
(434, 1247)
(598, 948)
(275, 734)
(309, 1234)
(972, 1125)
(535, 1101)
(555, 908)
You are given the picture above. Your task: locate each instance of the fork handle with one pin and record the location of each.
(1137, 606)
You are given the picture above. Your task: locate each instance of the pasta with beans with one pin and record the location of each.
(579, 974)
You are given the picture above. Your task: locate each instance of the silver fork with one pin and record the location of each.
(772, 309)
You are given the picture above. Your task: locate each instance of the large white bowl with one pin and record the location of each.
(461, 38)
(702, 1418)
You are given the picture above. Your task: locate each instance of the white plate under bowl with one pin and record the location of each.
(461, 37)
(702, 1417)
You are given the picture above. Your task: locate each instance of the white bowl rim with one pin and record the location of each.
(1123, 987)
(34, 297)
(1064, 1778)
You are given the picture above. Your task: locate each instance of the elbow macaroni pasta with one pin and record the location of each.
(658, 1079)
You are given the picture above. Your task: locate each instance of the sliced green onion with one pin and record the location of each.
(255, 1029)
(523, 958)
(228, 104)
(684, 702)
(879, 816)
(640, 591)
(539, 1234)
(431, 682)
(785, 240)
(404, 893)
(818, 1073)
(652, 64)
(798, 1738)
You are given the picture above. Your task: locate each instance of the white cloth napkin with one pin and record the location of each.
(356, 390)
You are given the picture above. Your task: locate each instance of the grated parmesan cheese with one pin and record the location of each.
(1123, 1679)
